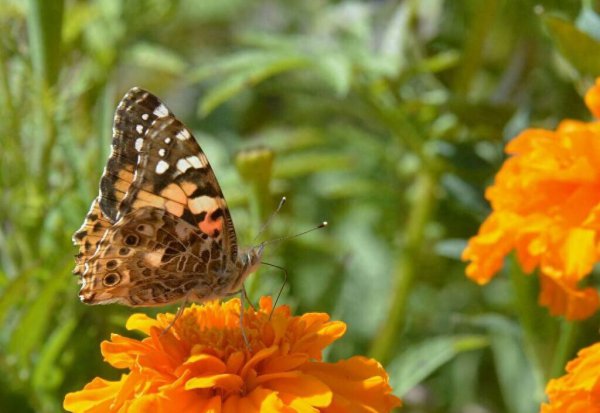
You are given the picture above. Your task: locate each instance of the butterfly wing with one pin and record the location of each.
(88, 236)
(173, 173)
(151, 258)
(157, 178)
(134, 115)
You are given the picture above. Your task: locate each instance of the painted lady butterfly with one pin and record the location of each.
(160, 230)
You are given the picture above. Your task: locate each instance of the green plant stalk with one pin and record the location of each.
(405, 268)
(527, 309)
(256, 168)
(473, 50)
(44, 23)
(564, 348)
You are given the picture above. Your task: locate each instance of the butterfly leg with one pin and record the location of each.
(177, 314)
(285, 277)
(242, 294)
(247, 299)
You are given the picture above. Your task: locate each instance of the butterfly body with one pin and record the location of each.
(160, 230)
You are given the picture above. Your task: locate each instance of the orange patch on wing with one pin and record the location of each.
(208, 225)
(188, 188)
(151, 199)
(174, 193)
(174, 208)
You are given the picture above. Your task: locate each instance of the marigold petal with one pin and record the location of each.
(122, 352)
(181, 401)
(284, 363)
(235, 362)
(202, 364)
(567, 300)
(358, 383)
(96, 397)
(316, 333)
(141, 322)
(580, 252)
(257, 358)
(267, 401)
(227, 382)
(577, 391)
(487, 249)
(309, 389)
(592, 99)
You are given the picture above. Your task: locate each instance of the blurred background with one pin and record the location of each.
(385, 118)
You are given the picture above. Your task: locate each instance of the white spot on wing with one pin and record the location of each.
(161, 167)
(145, 116)
(183, 134)
(161, 111)
(202, 203)
(161, 152)
(183, 165)
(138, 144)
(153, 258)
(194, 161)
(139, 129)
(167, 140)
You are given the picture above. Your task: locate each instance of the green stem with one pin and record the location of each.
(484, 15)
(564, 348)
(405, 268)
(530, 316)
(256, 167)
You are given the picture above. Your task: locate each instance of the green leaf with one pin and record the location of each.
(36, 317)
(579, 48)
(246, 79)
(13, 293)
(336, 70)
(46, 373)
(157, 57)
(419, 361)
(236, 62)
(45, 23)
(309, 163)
(510, 362)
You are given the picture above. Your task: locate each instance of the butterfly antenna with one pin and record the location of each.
(277, 240)
(268, 221)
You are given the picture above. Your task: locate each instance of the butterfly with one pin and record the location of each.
(160, 230)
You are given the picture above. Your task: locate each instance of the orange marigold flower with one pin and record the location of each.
(592, 99)
(578, 391)
(546, 206)
(202, 364)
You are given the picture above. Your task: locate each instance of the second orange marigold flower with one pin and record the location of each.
(546, 207)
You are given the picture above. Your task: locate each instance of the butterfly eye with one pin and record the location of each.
(111, 279)
(131, 239)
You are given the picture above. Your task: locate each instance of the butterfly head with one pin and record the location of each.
(248, 261)
(251, 258)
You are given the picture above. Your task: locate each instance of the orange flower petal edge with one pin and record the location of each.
(546, 207)
(202, 364)
(578, 391)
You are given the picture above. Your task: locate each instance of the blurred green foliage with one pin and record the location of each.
(386, 118)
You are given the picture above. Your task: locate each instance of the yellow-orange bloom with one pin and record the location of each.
(202, 364)
(578, 391)
(546, 207)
